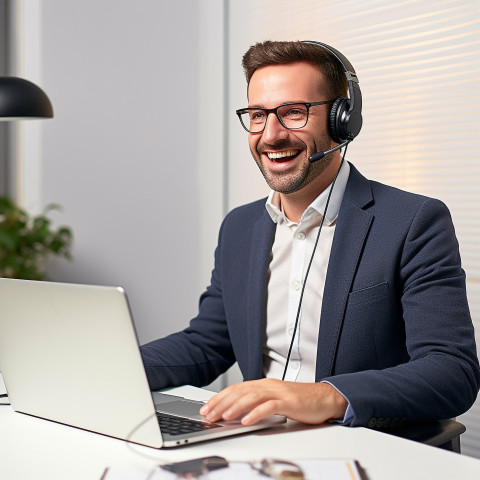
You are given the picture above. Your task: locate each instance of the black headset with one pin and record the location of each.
(345, 118)
(344, 124)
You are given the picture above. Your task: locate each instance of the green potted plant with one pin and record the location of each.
(25, 241)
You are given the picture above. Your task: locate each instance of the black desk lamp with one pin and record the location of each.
(21, 99)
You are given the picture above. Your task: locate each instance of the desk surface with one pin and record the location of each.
(34, 448)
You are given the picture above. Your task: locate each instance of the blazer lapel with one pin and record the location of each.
(351, 233)
(262, 239)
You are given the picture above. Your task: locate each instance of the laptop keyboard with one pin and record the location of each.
(180, 426)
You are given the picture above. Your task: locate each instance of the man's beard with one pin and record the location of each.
(293, 181)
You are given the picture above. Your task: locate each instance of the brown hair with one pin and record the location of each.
(278, 53)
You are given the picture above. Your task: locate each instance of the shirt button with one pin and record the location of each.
(290, 331)
(294, 365)
(301, 236)
(296, 285)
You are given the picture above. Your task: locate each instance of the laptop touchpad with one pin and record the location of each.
(178, 406)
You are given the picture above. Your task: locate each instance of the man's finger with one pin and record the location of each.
(264, 410)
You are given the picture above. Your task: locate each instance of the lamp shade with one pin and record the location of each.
(21, 99)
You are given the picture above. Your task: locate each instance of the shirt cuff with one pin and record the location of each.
(349, 413)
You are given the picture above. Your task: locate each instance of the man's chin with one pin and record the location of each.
(285, 186)
(286, 180)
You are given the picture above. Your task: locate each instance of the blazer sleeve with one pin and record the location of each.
(441, 377)
(199, 353)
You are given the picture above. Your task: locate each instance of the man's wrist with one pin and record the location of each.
(341, 408)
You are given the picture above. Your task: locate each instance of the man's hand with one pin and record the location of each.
(306, 402)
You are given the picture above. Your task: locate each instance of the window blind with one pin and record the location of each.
(418, 71)
(418, 64)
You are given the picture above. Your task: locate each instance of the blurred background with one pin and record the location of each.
(146, 155)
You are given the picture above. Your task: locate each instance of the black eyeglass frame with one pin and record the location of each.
(268, 111)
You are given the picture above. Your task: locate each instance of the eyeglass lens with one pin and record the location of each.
(290, 116)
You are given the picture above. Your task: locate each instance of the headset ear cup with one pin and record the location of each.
(336, 128)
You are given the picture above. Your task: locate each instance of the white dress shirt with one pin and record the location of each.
(291, 252)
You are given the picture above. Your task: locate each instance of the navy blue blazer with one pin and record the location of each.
(396, 337)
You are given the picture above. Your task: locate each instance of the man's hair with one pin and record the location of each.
(281, 53)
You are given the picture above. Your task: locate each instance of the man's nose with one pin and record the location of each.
(274, 130)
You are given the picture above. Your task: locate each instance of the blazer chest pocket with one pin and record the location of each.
(369, 294)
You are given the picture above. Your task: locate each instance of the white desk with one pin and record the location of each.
(35, 448)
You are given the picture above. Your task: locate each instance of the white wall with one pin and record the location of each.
(126, 154)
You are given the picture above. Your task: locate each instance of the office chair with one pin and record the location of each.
(437, 433)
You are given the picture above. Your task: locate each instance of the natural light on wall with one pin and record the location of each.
(418, 63)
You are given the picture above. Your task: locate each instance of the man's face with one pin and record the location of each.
(280, 153)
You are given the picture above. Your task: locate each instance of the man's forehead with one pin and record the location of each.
(300, 81)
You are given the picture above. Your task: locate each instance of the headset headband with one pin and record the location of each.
(346, 114)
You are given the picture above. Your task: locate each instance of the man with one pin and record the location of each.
(377, 332)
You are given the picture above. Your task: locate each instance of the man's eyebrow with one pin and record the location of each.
(283, 103)
(256, 106)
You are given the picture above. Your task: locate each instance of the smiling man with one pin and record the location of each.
(339, 297)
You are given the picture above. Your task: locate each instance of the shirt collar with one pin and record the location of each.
(277, 214)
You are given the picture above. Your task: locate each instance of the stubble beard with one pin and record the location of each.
(292, 181)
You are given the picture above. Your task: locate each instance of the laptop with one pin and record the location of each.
(69, 353)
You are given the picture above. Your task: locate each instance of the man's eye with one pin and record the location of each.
(295, 113)
(257, 116)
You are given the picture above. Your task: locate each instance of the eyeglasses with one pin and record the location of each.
(212, 468)
(278, 469)
(290, 115)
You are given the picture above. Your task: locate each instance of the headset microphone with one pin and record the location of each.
(319, 155)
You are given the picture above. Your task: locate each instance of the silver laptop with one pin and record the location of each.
(69, 353)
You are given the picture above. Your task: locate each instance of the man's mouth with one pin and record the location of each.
(284, 156)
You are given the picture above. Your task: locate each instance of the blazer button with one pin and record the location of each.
(372, 422)
(380, 422)
(387, 422)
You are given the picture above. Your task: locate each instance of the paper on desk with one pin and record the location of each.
(325, 469)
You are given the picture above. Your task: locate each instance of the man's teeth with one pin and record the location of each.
(276, 155)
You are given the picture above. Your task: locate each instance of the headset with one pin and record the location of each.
(345, 118)
(344, 124)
